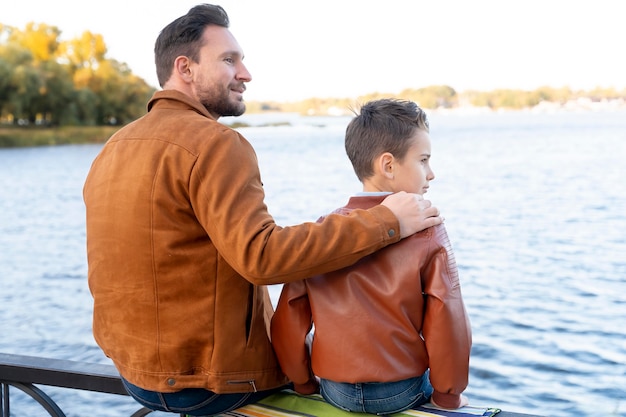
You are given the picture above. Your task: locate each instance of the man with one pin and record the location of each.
(180, 242)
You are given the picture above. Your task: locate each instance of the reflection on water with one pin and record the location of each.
(535, 206)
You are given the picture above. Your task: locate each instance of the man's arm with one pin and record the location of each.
(228, 201)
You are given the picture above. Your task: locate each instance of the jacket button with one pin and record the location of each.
(171, 382)
(391, 233)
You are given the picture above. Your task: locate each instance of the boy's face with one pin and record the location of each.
(413, 173)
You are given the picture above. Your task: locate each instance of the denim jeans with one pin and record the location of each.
(194, 401)
(378, 397)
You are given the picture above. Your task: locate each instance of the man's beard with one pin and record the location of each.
(219, 102)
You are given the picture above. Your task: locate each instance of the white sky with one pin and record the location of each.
(298, 49)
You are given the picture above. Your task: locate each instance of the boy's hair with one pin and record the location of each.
(183, 37)
(382, 126)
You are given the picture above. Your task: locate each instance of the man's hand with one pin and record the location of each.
(413, 212)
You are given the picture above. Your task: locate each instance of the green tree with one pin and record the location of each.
(23, 84)
(122, 95)
(5, 82)
(55, 93)
(83, 109)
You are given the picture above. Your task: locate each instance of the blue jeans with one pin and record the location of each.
(378, 397)
(194, 401)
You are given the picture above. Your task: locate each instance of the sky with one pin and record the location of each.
(346, 48)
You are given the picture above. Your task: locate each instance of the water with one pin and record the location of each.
(535, 205)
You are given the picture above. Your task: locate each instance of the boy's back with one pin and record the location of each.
(370, 318)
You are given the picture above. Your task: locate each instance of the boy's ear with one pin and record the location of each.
(384, 165)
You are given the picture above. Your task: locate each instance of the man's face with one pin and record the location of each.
(219, 77)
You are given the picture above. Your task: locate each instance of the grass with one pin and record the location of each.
(15, 137)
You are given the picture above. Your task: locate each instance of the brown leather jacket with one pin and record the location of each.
(389, 317)
(179, 242)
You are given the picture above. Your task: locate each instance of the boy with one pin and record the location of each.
(392, 329)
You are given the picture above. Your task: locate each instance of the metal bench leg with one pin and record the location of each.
(38, 395)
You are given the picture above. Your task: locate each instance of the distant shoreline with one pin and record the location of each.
(33, 136)
(577, 105)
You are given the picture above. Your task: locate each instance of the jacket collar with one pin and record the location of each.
(174, 99)
(365, 201)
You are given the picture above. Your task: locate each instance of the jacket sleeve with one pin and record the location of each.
(290, 326)
(227, 196)
(446, 330)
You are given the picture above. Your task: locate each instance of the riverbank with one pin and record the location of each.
(18, 137)
(22, 137)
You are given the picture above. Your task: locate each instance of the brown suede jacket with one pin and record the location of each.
(180, 242)
(389, 317)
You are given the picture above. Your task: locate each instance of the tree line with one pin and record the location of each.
(46, 81)
(446, 97)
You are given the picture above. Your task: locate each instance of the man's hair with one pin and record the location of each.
(382, 126)
(183, 37)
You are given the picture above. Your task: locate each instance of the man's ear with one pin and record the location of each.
(384, 165)
(182, 66)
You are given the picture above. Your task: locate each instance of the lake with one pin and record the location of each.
(535, 206)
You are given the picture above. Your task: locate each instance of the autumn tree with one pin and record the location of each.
(49, 81)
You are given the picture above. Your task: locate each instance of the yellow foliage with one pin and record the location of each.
(39, 38)
(82, 77)
(86, 51)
